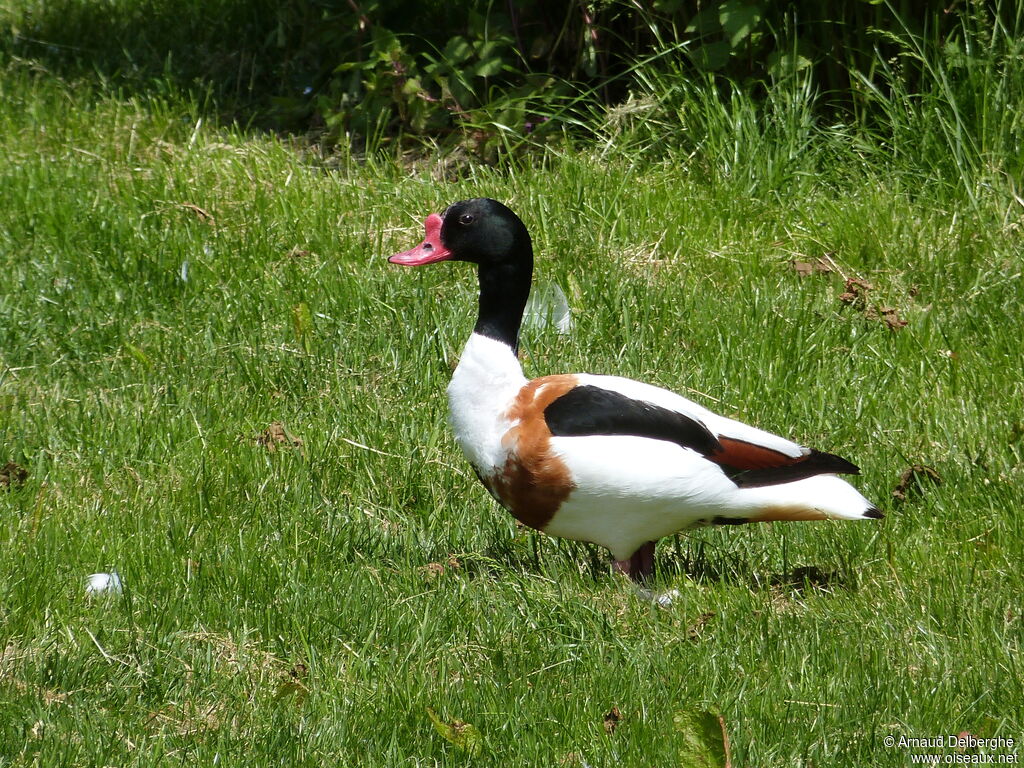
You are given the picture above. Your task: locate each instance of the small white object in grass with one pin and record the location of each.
(184, 271)
(103, 583)
(546, 306)
(664, 599)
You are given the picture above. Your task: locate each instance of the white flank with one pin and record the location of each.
(631, 490)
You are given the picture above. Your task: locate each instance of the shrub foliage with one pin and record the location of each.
(484, 74)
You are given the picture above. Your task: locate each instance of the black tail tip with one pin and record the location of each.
(874, 513)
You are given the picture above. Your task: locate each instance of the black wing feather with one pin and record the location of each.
(589, 410)
(815, 463)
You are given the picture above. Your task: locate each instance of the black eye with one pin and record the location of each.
(466, 218)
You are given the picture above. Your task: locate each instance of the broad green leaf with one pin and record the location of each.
(705, 22)
(489, 49)
(738, 20)
(703, 739)
(384, 39)
(302, 321)
(488, 67)
(463, 735)
(458, 50)
(712, 56)
(412, 86)
(786, 63)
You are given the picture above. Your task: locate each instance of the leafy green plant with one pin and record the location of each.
(475, 88)
(492, 77)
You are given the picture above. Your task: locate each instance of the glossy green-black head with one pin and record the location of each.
(486, 233)
(482, 231)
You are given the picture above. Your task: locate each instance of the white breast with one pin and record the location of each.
(482, 388)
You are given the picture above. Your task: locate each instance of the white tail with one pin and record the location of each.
(822, 497)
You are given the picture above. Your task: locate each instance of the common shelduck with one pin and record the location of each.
(605, 459)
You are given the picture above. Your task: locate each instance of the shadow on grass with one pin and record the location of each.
(703, 567)
(253, 62)
(698, 564)
(261, 64)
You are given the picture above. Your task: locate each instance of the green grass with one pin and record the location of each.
(133, 388)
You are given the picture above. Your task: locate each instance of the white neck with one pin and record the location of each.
(484, 384)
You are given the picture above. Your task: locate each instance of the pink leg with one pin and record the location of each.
(640, 565)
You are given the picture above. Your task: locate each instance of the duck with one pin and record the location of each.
(603, 458)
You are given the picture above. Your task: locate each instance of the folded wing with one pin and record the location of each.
(750, 457)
